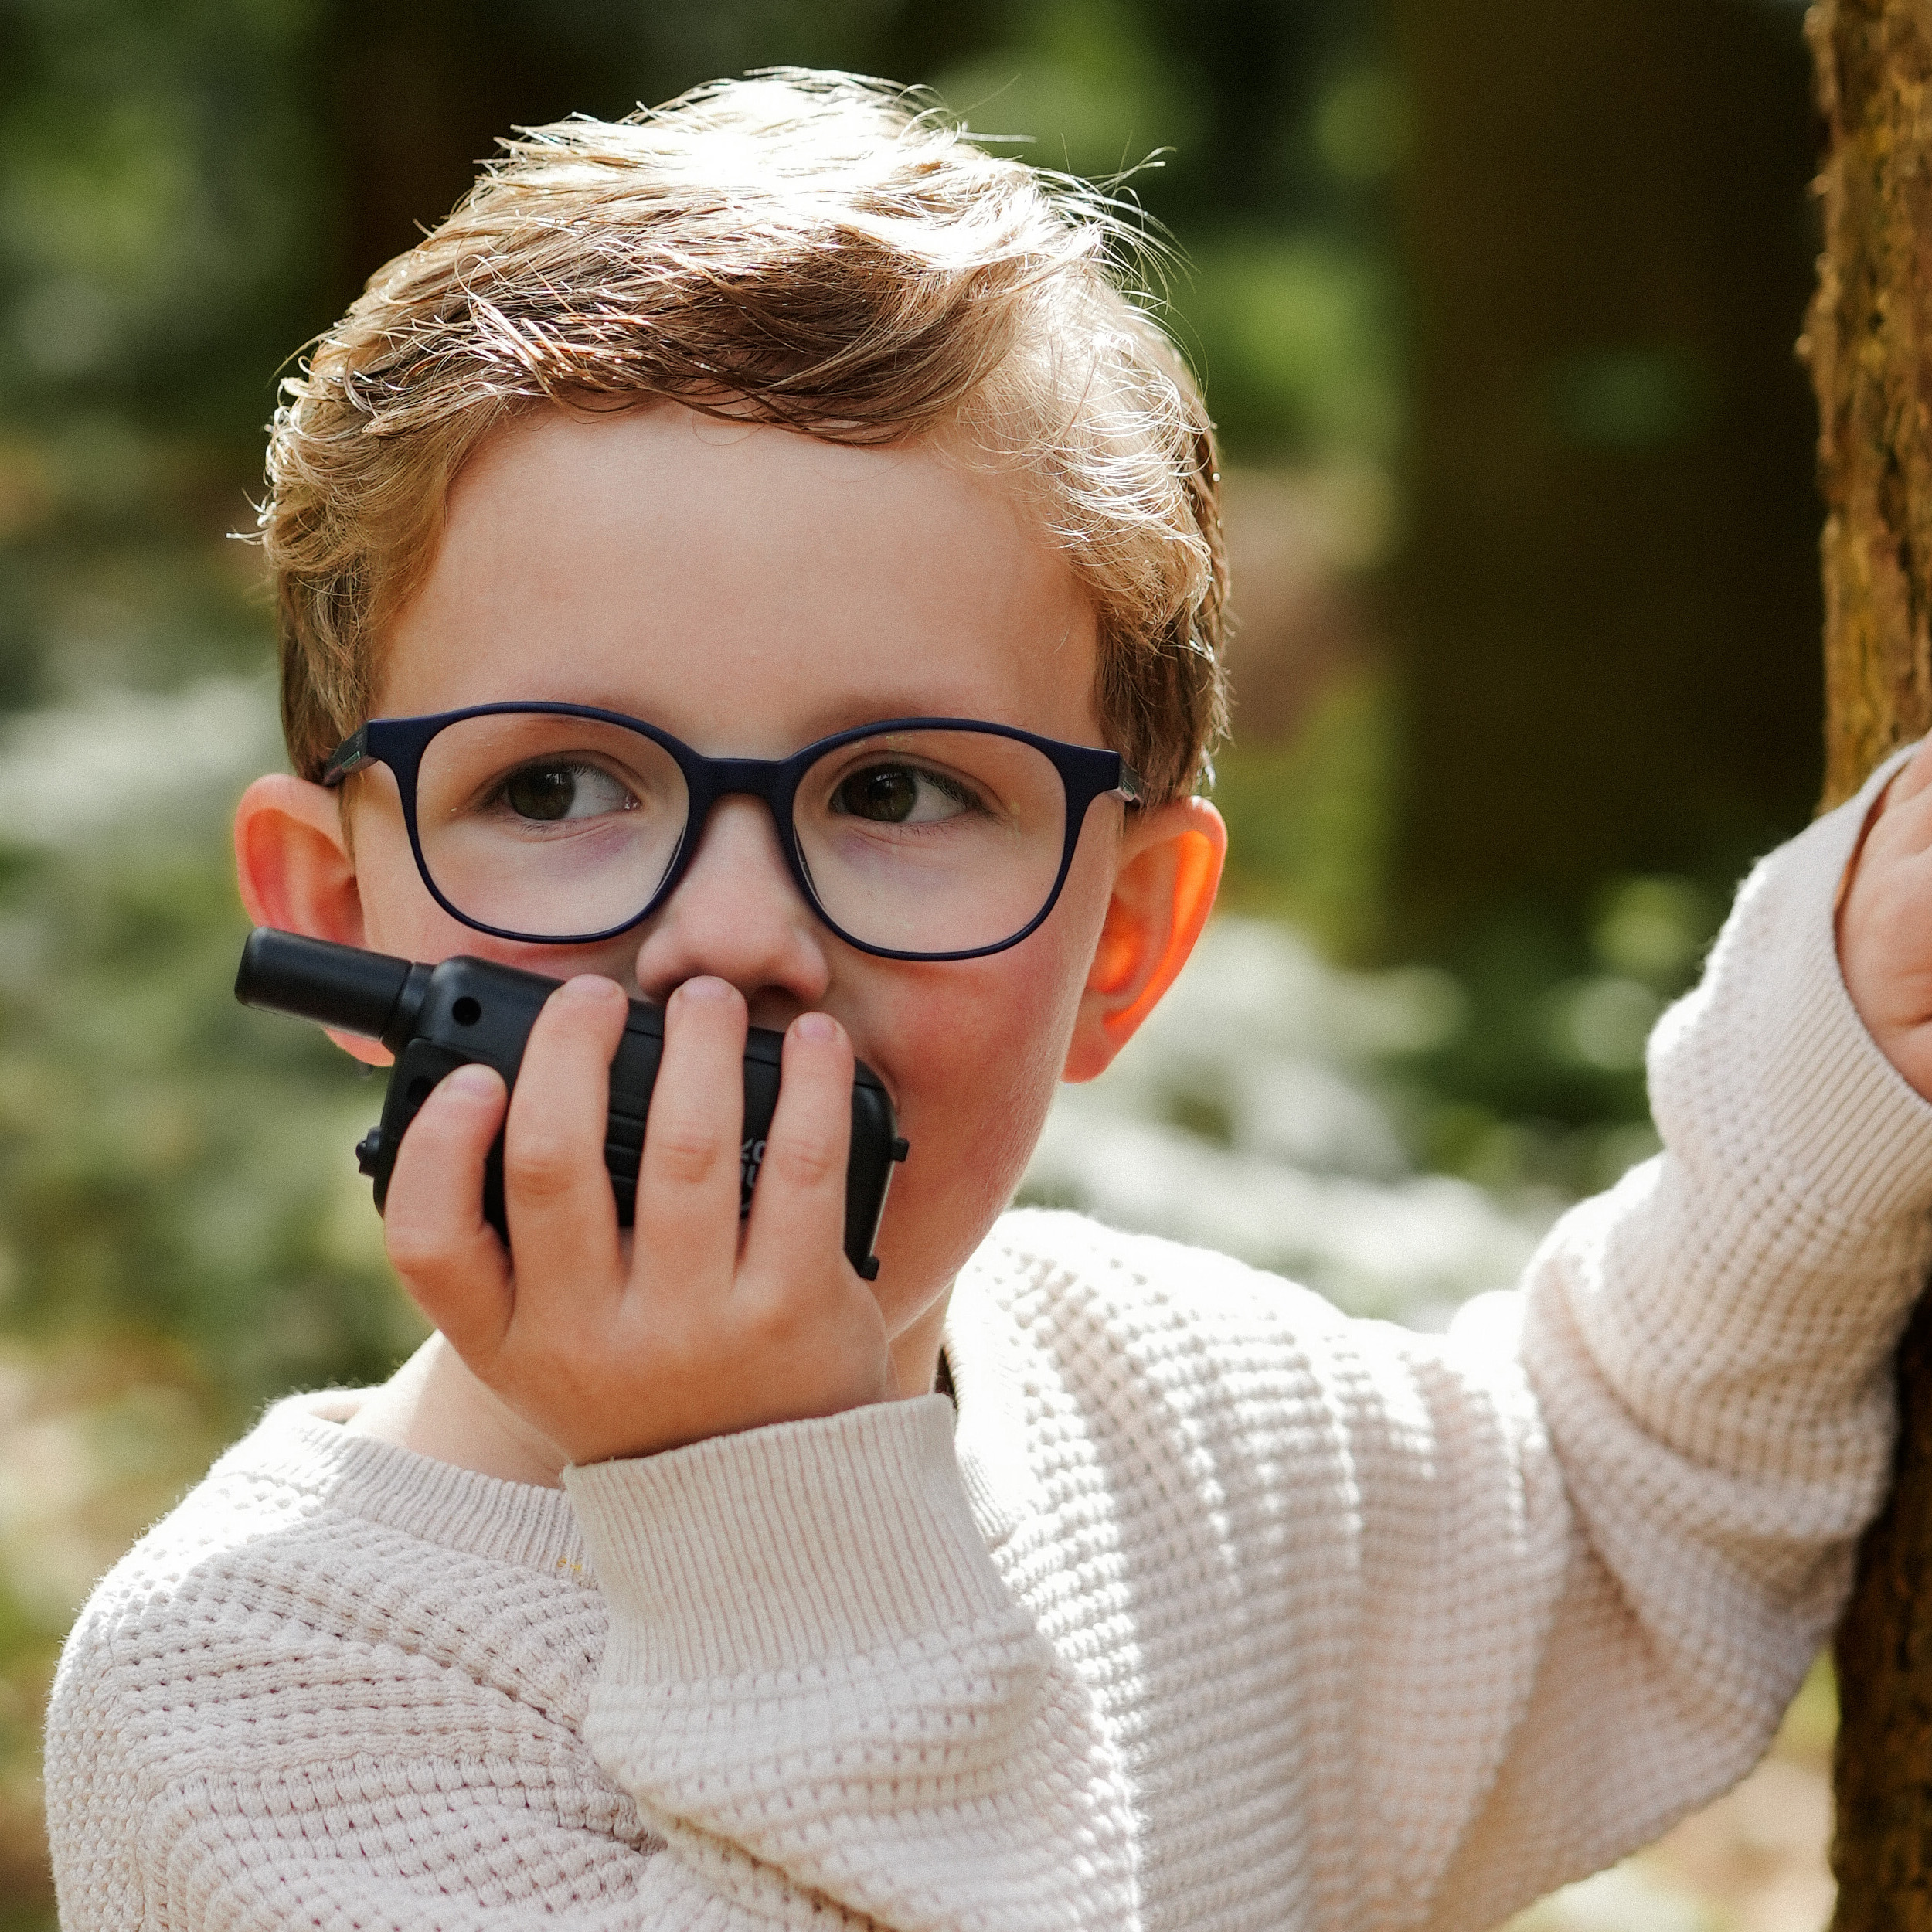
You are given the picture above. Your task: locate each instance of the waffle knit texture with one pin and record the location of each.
(1211, 1609)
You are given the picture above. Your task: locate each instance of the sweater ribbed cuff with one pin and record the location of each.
(1843, 1116)
(1801, 1075)
(783, 1547)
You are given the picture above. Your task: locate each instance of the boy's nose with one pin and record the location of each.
(737, 914)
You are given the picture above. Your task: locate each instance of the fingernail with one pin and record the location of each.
(473, 1083)
(815, 1026)
(591, 986)
(705, 987)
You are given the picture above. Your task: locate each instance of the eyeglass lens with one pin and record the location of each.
(924, 841)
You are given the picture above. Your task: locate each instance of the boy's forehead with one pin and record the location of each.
(550, 446)
(712, 573)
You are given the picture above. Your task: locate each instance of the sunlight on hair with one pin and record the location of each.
(820, 252)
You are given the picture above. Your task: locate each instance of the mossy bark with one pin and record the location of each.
(1869, 342)
(1882, 1853)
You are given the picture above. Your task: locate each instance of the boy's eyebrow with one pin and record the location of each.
(848, 712)
(843, 714)
(872, 708)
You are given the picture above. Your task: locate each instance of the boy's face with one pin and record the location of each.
(751, 590)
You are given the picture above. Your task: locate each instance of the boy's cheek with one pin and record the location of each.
(401, 917)
(974, 1061)
(966, 1161)
(966, 1036)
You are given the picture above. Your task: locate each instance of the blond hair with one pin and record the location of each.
(799, 248)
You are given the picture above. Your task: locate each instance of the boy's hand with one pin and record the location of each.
(691, 1332)
(1885, 924)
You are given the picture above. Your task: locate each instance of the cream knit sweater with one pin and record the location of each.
(1212, 1609)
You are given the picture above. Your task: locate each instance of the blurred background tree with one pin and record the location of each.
(1496, 307)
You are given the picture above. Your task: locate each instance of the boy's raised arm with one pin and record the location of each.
(1709, 1349)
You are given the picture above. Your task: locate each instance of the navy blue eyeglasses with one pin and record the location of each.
(926, 838)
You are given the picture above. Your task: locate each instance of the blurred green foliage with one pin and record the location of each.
(1542, 1088)
(1297, 338)
(1310, 820)
(1605, 616)
(172, 1167)
(162, 196)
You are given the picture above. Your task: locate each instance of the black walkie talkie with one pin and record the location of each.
(435, 1018)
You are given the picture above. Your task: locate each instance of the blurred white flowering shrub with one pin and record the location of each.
(1247, 1116)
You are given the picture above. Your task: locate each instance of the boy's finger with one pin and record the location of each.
(432, 1226)
(798, 1210)
(1915, 775)
(1903, 823)
(688, 1182)
(557, 1189)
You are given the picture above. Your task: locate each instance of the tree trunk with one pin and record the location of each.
(1869, 342)
(1869, 338)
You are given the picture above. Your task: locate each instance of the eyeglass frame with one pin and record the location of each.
(1086, 774)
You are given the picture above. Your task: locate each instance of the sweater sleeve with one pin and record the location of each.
(1707, 1353)
(807, 1696)
(818, 1690)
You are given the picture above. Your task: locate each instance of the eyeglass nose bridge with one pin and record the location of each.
(767, 778)
(709, 781)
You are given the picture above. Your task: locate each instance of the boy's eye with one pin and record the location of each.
(900, 795)
(559, 790)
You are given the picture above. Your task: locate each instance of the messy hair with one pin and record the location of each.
(809, 250)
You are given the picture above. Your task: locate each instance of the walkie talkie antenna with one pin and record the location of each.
(344, 987)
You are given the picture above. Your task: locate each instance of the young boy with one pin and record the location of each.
(660, 1589)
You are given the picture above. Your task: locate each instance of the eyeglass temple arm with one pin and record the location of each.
(351, 755)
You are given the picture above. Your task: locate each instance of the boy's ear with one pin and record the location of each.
(292, 862)
(1171, 859)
